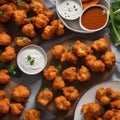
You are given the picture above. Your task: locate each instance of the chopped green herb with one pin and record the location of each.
(29, 57)
(74, 6)
(59, 67)
(76, 9)
(29, 19)
(67, 3)
(25, 39)
(32, 62)
(27, 116)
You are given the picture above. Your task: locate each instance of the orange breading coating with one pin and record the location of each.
(71, 93)
(62, 103)
(21, 93)
(32, 114)
(83, 74)
(37, 7)
(4, 76)
(8, 54)
(28, 30)
(40, 21)
(4, 106)
(100, 45)
(109, 59)
(44, 97)
(115, 104)
(50, 73)
(16, 108)
(20, 17)
(50, 14)
(69, 74)
(58, 51)
(58, 83)
(5, 39)
(2, 28)
(81, 49)
(2, 94)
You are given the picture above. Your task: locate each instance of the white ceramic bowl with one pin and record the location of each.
(32, 59)
(104, 11)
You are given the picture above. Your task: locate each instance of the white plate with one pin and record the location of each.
(89, 96)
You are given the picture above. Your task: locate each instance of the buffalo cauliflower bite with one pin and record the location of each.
(40, 21)
(109, 59)
(16, 108)
(20, 93)
(44, 97)
(37, 7)
(5, 39)
(8, 54)
(32, 114)
(20, 17)
(58, 83)
(100, 45)
(91, 111)
(4, 105)
(22, 41)
(71, 93)
(62, 103)
(2, 94)
(115, 104)
(50, 73)
(50, 14)
(83, 74)
(69, 74)
(81, 49)
(4, 76)
(28, 30)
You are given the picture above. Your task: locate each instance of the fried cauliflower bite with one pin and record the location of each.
(100, 45)
(109, 59)
(44, 97)
(115, 104)
(62, 103)
(4, 105)
(8, 54)
(91, 111)
(20, 17)
(20, 93)
(71, 93)
(69, 74)
(58, 83)
(6, 12)
(50, 14)
(37, 7)
(58, 51)
(2, 94)
(28, 30)
(32, 114)
(83, 74)
(50, 73)
(40, 21)
(5, 39)
(4, 76)
(16, 108)
(81, 49)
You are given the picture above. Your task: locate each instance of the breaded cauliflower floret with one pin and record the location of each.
(58, 83)
(16, 108)
(20, 93)
(115, 104)
(62, 103)
(4, 106)
(4, 76)
(44, 97)
(69, 74)
(28, 30)
(2, 94)
(58, 51)
(81, 49)
(83, 74)
(8, 54)
(50, 14)
(32, 114)
(109, 59)
(40, 21)
(5, 39)
(100, 45)
(50, 73)
(71, 93)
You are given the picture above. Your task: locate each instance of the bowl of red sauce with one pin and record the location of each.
(94, 18)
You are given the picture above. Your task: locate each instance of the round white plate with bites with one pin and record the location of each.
(89, 97)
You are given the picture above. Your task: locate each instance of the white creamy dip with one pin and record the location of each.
(31, 59)
(69, 10)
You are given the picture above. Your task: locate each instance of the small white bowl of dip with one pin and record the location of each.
(32, 59)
